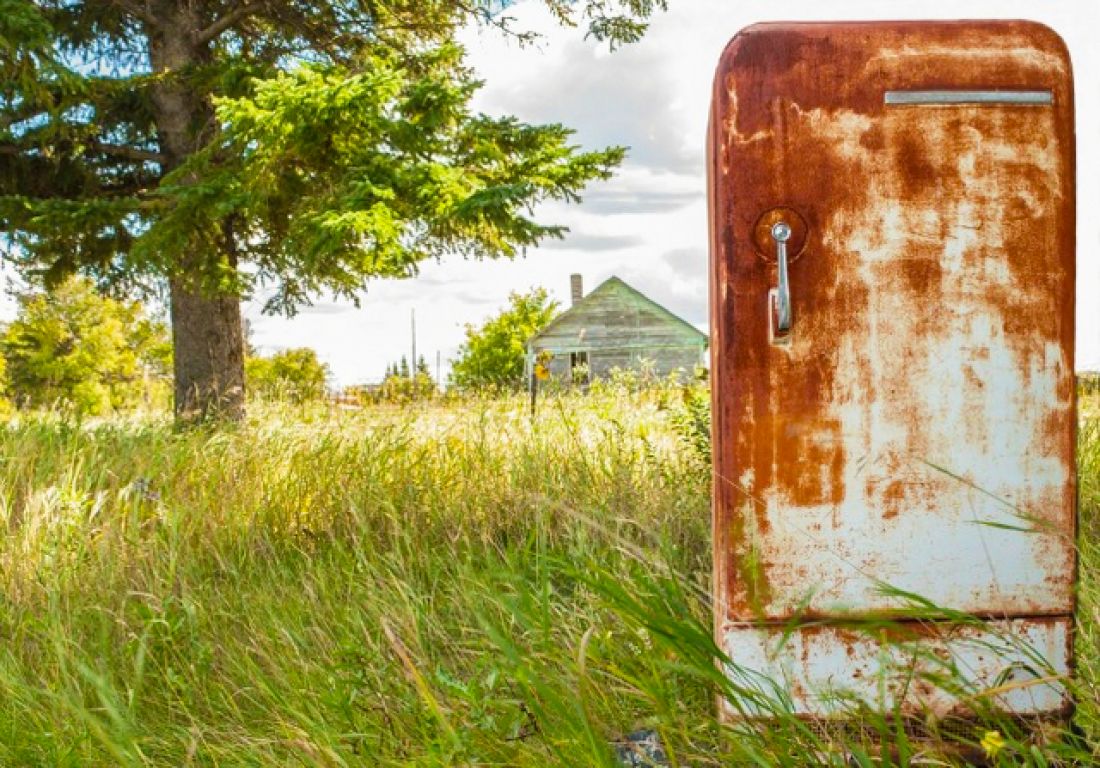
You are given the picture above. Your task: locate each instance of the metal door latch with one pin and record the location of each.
(780, 304)
(779, 237)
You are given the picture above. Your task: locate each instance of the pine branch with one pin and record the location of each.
(128, 153)
(226, 21)
(114, 150)
(138, 9)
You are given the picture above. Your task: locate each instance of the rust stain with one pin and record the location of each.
(892, 498)
(929, 371)
(762, 233)
(820, 479)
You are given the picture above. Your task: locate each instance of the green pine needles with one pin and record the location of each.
(332, 175)
(218, 147)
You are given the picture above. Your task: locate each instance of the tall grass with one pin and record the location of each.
(443, 586)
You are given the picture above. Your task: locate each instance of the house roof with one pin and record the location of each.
(615, 314)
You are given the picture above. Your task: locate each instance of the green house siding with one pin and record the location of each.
(615, 326)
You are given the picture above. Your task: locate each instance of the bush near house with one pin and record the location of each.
(493, 356)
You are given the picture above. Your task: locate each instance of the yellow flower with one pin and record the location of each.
(992, 743)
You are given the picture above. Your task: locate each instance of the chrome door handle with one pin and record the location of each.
(781, 233)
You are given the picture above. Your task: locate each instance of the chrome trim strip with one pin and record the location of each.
(1039, 98)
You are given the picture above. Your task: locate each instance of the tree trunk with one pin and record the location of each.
(208, 360)
(207, 333)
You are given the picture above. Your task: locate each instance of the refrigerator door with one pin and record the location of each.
(892, 313)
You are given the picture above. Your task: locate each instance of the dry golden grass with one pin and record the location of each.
(450, 585)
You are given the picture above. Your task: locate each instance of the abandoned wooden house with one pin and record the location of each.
(614, 326)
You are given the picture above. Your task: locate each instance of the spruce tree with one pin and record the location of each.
(216, 147)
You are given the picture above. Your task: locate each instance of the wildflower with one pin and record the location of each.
(992, 743)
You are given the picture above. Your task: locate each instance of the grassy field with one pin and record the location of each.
(440, 586)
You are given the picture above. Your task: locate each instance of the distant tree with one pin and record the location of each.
(292, 374)
(422, 367)
(76, 348)
(309, 145)
(402, 385)
(493, 355)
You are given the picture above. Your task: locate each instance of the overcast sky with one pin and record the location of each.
(647, 225)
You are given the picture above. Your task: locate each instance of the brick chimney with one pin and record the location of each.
(576, 288)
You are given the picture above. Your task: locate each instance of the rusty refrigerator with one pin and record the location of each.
(892, 310)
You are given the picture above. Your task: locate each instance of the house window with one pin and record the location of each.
(578, 367)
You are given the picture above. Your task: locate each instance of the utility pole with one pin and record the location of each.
(412, 365)
(438, 374)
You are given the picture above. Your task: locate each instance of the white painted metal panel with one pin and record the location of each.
(1020, 666)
